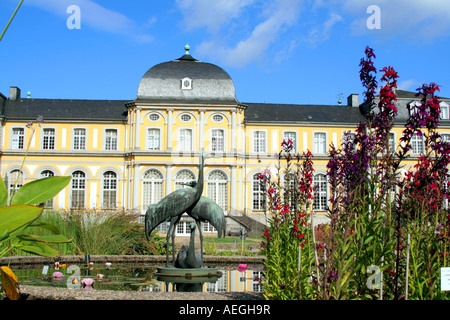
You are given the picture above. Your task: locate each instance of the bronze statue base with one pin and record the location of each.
(188, 273)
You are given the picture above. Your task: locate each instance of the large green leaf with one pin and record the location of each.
(41, 190)
(3, 193)
(37, 247)
(53, 238)
(15, 217)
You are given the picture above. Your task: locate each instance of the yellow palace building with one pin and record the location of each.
(126, 154)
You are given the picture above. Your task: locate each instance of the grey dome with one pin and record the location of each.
(209, 83)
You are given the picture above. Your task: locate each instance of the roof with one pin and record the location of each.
(65, 109)
(293, 113)
(210, 83)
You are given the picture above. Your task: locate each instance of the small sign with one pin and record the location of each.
(445, 279)
(45, 270)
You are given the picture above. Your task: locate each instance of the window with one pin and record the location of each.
(185, 117)
(186, 84)
(392, 146)
(445, 137)
(417, 146)
(78, 193)
(110, 139)
(152, 187)
(79, 139)
(18, 136)
(109, 190)
(217, 118)
(217, 140)
(444, 111)
(291, 135)
(183, 176)
(153, 139)
(320, 192)
(153, 117)
(258, 195)
(15, 181)
(46, 174)
(320, 142)
(48, 139)
(259, 141)
(185, 140)
(217, 188)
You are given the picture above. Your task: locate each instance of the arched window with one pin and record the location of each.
(152, 187)
(46, 174)
(257, 194)
(109, 190)
(183, 176)
(217, 188)
(78, 193)
(15, 181)
(320, 192)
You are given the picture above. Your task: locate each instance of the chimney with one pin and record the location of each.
(353, 100)
(14, 93)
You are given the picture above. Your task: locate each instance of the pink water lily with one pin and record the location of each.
(57, 274)
(88, 282)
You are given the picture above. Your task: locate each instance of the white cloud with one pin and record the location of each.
(95, 16)
(322, 32)
(210, 14)
(409, 85)
(277, 16)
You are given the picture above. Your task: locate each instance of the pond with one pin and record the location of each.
(137, 277)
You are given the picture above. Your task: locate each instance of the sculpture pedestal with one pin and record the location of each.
(188, 273)
(187, 279)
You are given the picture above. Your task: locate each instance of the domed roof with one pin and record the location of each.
(186, 80)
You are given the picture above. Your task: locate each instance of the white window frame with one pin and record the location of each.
(258, 197)
(18, 140)
(158, 141)
(415, 144)
(295, 142)
(76, 136)
(444, 106)
(44, 174)
(152, 195)
(82, 190)
(317, 148)
(320, 195)
(181, 146)
(259, 143)
(217, 189)
(105, 137)
(43, 137)
(112, 191)
(214, 144)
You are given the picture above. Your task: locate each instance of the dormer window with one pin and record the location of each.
(186, 84)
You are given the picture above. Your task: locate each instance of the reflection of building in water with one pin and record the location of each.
(230, 281)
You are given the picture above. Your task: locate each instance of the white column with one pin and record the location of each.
(202, 128)
(233, 131)
(129, 203)
(233, 188)
(136, 190)
(169, 129)
(137, 129)
(168, 179)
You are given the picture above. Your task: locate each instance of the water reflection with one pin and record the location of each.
(143, 278)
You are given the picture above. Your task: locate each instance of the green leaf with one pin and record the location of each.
(45, 225)
(3, 193)
(54, 238)
(16, 217)
(41, 190)
(38, 248)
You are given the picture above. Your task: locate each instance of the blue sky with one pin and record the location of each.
(282, 51)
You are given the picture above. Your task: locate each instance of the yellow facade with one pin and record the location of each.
(128, 161)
